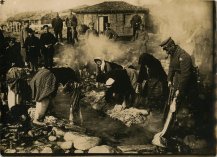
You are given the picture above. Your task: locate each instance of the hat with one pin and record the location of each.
(97, 59)
(166, 42)
(30, 31)
(45, 26)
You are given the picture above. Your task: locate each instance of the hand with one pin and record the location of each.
(46, 46)
(169, 84)
(173, 106)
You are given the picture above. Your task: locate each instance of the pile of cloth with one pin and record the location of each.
(128, 116)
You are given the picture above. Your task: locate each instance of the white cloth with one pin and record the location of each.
(13, 98)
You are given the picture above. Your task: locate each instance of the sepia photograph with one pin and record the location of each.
(107, 77)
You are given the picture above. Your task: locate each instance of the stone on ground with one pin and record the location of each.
(78, 151)
(46, 150)
(85, 143)
(66, 145)
(102, 149)
(72, 136)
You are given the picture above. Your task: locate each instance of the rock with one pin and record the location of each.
(38, 143)
(58, 131)
(66, 145)
(78, 151)
(85, 143)
(46, 150)
(135, 148)
(102, 149)
(72, 136)
(67, 151)
(10, 151)
(52, 138)
(35, 151)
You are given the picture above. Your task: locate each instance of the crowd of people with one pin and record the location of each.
(123, 84)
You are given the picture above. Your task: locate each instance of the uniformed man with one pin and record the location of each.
(180, 68)
(110, 33)
(57, 24)
(135, 24)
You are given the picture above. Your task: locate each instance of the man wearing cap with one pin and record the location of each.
(180, 68)
(91, 31)
(32, 45)
(47, 41)
(110, 33)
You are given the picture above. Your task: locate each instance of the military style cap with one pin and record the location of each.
(97, 59)
(168, 41)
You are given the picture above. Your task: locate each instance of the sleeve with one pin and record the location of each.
(185, 68)
(171, 72)
(142, 74)
(26, 43)
(53, 22)
(54, 40)
(67, 19)
(21, 38)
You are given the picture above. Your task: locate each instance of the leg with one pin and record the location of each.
(41, 108)
(56, 34)
(61, 35)
(45, 59)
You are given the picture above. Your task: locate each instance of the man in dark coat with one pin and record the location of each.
(156, 89)
(71, 24)
(119, 86)
(23, 36)
(110, 33)
(13, 54)
(135, 23)
(180, 69)
(47, 41)
(32, 45)
(57, 24)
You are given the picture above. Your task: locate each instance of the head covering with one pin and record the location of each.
(167, 42)
(30, 31)
(97, 59)
(45, 26)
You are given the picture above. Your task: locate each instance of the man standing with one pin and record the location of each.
(32, 45)
(23, 36)
(47, 41)
(110, 33)
(71, 24)
(57, 24)
(135, 23)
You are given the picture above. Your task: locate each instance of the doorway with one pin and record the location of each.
(102, 21)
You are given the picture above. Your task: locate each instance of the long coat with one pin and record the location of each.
(181, 70)
(32, 44)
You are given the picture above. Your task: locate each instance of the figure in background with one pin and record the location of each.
(110, 33)
(57, 24)
(135, 24)
(32, 45)
(91, 31)
(47, 41)
(143, 39)
(23, 36)
(71, 24)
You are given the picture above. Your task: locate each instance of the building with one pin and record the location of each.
(117, 13)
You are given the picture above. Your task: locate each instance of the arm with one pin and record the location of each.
(171, 72)
(142, 74)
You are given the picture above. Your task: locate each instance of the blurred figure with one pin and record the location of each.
(32, 45)
(47, 41)
(23, 36)
(71, 24)
(143, 39)
(57, 24)
(103, 66)
(12, 54)
(135, 24)
(91, 30)
(110, 33)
